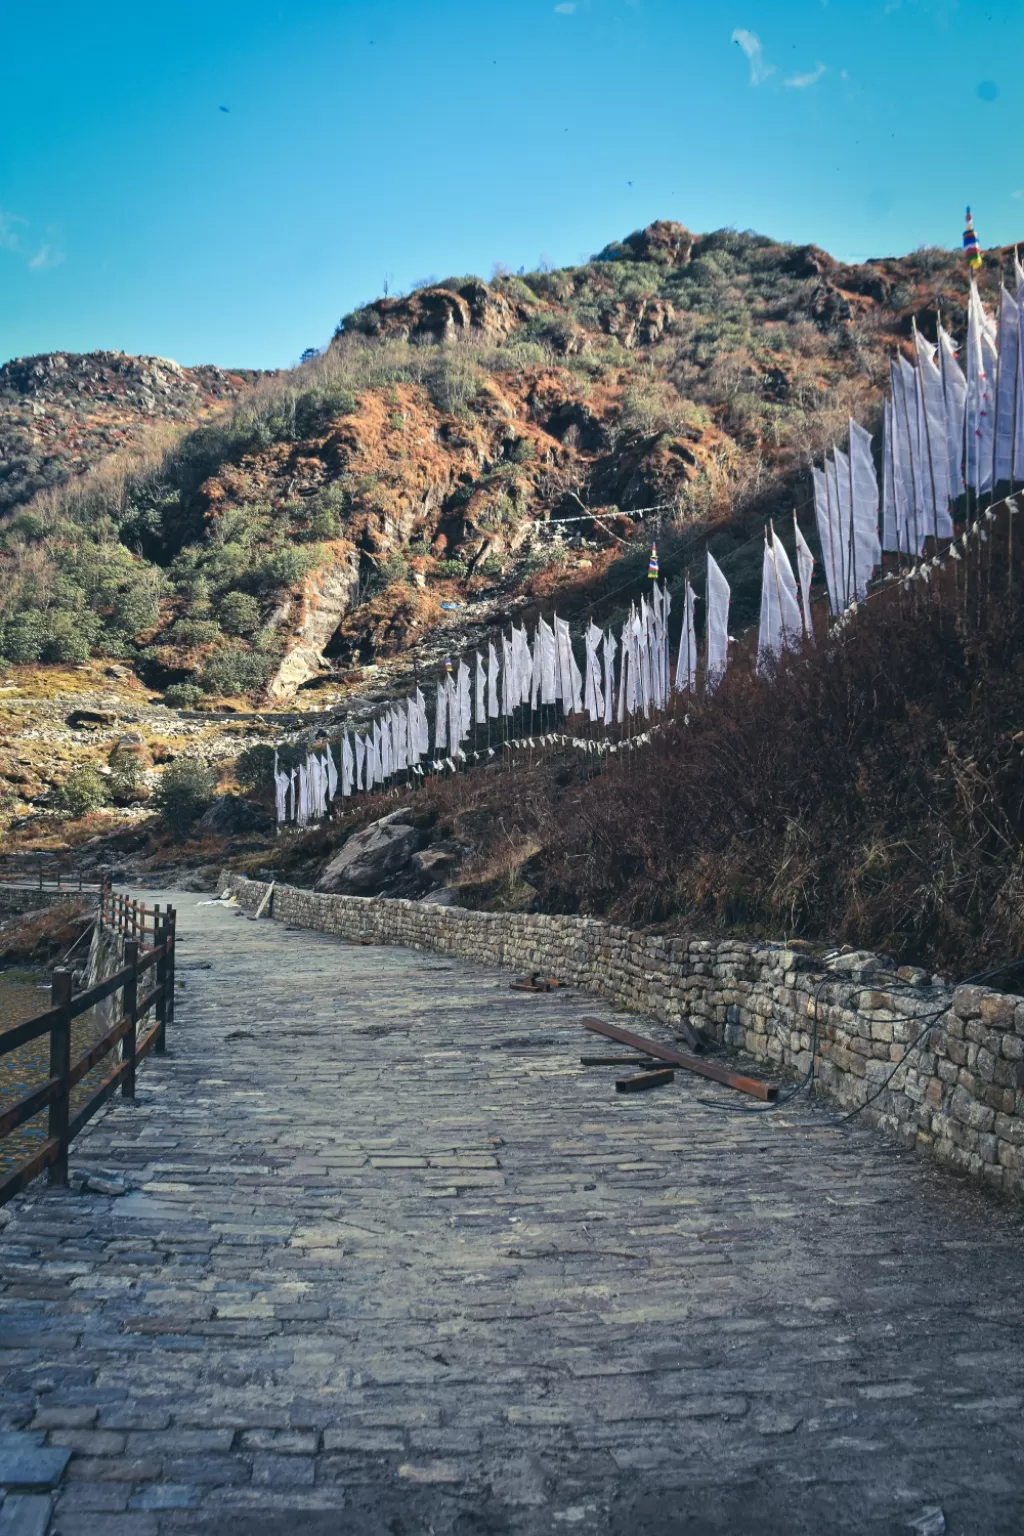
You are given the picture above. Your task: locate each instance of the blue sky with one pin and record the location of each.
(392, 140)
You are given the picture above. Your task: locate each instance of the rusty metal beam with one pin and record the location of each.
(737, 1080)
(645, 1080)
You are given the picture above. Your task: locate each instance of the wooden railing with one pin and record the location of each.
(48, 874)
(149, 956)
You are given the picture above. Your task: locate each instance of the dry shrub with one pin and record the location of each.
(40, 937)
(872, 793)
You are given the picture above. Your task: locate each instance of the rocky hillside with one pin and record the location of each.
(62, 413)
(454, 454)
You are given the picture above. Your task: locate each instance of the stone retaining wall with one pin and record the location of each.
(29, 898)
(959, 1096)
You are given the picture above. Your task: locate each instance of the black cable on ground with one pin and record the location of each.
(762, 1109)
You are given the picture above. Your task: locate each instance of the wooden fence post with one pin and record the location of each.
(60, 1066)
(161, 930)
(172, 921)
(131, 998)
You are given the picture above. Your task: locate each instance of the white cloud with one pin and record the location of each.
(1018, 193)
(9, 237)
(801, 82)
(565, 9)
(45, 258)
(12, 238)
(751, 45)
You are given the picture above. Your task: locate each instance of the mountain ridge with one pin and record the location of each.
(449, 446)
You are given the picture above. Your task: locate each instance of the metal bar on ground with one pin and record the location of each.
(645, 1080)
(737, 1080)
(617, 1061)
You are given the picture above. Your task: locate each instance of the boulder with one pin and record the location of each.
(433, 863)
(90, 719)
(231, 814)
(372, 857)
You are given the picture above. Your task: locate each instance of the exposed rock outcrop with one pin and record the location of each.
(231, 814)
(371, 857)
(325, 598)
(441, 313)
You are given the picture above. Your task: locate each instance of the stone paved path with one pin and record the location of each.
(395, 1263)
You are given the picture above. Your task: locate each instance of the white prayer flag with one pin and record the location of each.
(805, 565)
(867, 548)
(954, 389)
(493, 710)
(827, 536)
(479, 698)
(608, 650)
(346, 765)
(936, 451)
(716, 658)
(686, 661)
(1006, 387)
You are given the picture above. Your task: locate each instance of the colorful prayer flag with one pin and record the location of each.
(652, 568)
(972, 247)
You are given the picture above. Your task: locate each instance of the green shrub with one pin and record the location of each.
(183, 695)
(185, 790)
(316, 409)
(136, 609)
(190, 632)
(115, 644)
(254, 770)
(285, 568)
(83, 791)
(235, 671)
(393, 569)
(70, 637)
(450, 570)
(23, 637)
(127, 776)
(239, 614)
(30, 527)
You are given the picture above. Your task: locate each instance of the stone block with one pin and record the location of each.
(25, 1514)
(998, 1011)
(967, 1001)
(25, 1464)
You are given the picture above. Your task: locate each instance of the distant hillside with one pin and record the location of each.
(62, 413)
(318, 525)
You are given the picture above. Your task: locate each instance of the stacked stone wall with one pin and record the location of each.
(17, 899)
(960, 1095)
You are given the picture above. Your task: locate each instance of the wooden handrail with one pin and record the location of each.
(31, 1029)
(134, 921)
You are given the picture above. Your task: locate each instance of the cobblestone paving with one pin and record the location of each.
(393, 1262)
